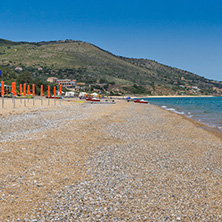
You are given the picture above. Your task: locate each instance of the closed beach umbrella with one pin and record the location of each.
(48, 91)
(2, 88)
(24, 88)
(13, 88)
(28, 90)
(33, 89)
(20, 89)
(60, 89)
(14, 91)
(41, 90)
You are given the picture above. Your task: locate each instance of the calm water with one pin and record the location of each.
(207, 110)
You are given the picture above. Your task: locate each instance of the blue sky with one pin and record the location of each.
(183, 34)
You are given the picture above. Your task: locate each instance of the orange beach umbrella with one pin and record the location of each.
(2, 88)
(60, 89)
(41, 90)
(48, 91)
(20, 89)
(28, 90)
(24, 88)
(54, 91)
(13, 88)
(33, 89)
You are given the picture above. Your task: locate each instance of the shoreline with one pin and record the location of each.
(179, 96)
(217, 130)
(204, 124)
(209, 129)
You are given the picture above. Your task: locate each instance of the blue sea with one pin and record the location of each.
(207, 110)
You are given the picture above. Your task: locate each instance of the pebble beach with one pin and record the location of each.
(107, 162)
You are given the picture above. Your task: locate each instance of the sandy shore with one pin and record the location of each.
(107, 162)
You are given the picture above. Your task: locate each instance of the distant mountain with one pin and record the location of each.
(88, 63)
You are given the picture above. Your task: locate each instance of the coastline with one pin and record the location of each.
(171, 96)
(216, 132)
(212, 122)
(177, 96)
(170, 107)
(137, 159)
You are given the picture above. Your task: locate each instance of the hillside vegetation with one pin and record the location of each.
(88, 63)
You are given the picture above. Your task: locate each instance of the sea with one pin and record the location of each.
(207, 110)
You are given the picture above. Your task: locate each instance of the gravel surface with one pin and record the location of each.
(141, 164)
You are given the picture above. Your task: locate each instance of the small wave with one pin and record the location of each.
(173, 110)
(181, 113)
(170, 109)
(201, 110)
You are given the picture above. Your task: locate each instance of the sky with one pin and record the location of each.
(180, 33)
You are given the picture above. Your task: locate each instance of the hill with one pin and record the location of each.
(88, 63)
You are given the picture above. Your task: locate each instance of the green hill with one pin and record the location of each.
(88, 63)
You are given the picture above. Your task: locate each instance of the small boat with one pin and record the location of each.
(52, 97)
(92, 99)
(140, 101)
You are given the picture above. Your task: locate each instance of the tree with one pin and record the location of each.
(102, 80)
(25, 77)
(8, 75)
